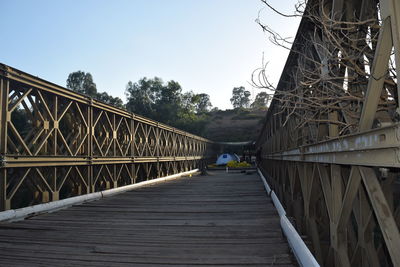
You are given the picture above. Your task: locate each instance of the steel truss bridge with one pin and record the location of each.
(329, 149)
(331, 142)
(56, 143)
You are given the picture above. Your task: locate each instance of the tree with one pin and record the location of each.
(187, 102)
(108, 99)
(202, 103)
(142, 96)
(240, 97)
(196, 103)
(171, 93)
(168, 105)
(164, 102)
(261, 101)
(154, 99)
(82, 82)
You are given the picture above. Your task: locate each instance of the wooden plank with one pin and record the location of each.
(222, 219)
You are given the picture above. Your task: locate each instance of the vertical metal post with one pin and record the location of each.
(4, 202)
(132, 125)
(4, 114)
(114, 136)
(89, 151)
(115, 178)
(4, 117)
(133, 173)
(132, 154)
(56, 193)
(55, 124)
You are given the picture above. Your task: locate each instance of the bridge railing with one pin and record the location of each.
(330, 146)
(55, 143)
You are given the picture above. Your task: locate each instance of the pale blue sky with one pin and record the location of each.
(207, 46)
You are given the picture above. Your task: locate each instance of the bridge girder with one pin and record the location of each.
(55, 143)
(330, 145)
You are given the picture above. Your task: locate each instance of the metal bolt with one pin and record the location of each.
(2, 161)
(384, 172)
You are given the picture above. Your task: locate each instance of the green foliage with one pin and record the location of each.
(235, 164)
(82, 82)
(165, 102)
(108, 99)
(202, 103)
(141, 96)
(187, 102)
(261, 101)
(240, 97)
(197, 103)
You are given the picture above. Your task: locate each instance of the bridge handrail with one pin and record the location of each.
(23, 77)
(56, 143)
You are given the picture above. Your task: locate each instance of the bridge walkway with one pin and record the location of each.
(223, 219)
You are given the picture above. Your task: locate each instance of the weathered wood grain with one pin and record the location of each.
(216, 220)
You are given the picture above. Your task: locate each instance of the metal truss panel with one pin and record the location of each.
(330, 144)
(56, 143)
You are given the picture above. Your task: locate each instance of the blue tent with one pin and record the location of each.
(225, 158)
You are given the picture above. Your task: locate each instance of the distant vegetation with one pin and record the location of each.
(234, 125)
(165, 102)
(82, 82)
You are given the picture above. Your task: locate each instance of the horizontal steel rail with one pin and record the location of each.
(330, 144)
(56, 143)
(379, 147)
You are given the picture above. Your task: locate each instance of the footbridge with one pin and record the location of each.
(89, 184)
(85, 183)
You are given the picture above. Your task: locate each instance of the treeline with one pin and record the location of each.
(153, 98)
(241, 99)
(165, 102)
(82, 82)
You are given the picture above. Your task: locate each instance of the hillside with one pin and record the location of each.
(234, 125)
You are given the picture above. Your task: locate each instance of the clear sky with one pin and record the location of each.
(207, 46)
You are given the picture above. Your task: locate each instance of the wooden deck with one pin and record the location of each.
(216, 220)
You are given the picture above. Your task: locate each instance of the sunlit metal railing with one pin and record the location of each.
(55, 143)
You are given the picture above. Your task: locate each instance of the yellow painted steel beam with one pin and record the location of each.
(377, 147)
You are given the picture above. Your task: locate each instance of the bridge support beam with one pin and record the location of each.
(331, 138)
(55, 143)
(5, 203)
